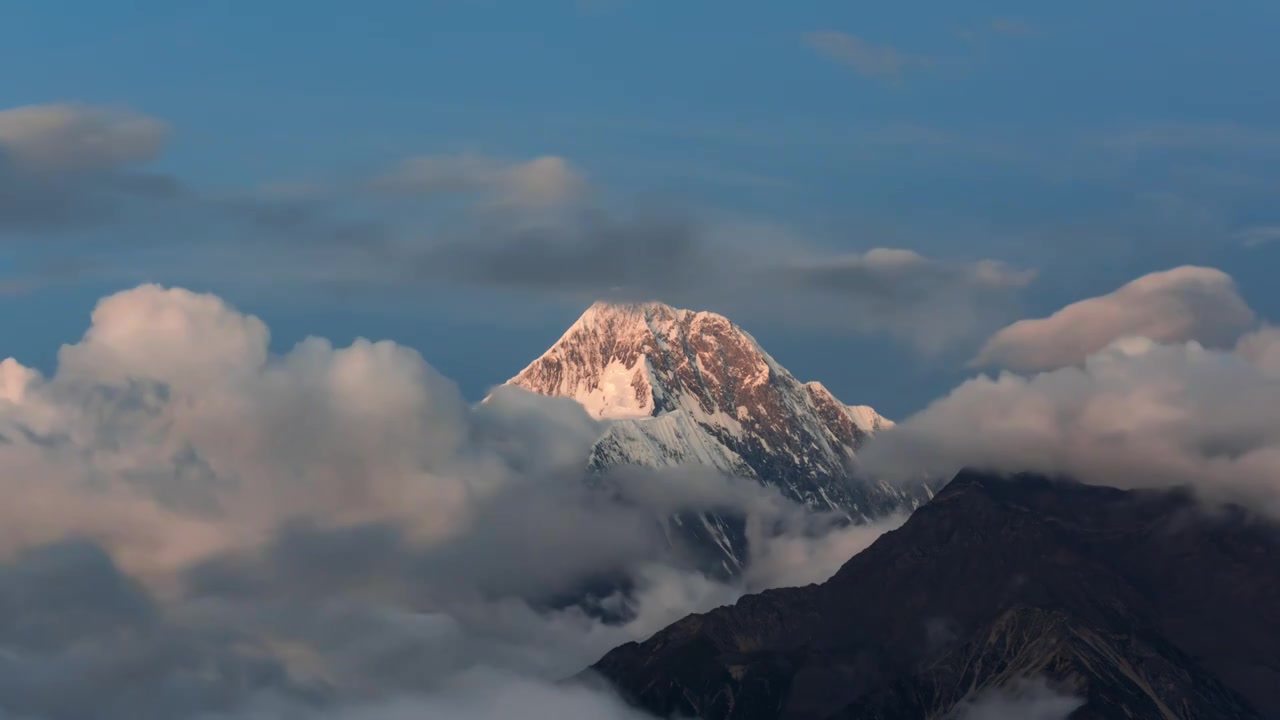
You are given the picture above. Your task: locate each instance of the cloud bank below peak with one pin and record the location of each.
(329, 532)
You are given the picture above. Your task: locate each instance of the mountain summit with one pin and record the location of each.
(639, 360)
(682, 387)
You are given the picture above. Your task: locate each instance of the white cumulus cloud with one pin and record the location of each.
(1185, 303)
(1135, 413)
(328, 532)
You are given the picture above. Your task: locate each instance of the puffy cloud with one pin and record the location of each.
(1135, 414)
(169, 335)
(15, 379)
(329, 532)
(1185, 303)
(170, 412)
(1262, 349)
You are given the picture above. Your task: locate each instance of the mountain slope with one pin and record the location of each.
(1140, 604)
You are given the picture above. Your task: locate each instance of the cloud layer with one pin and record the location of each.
(530, 226)
(543, 181)
(1135, 413)
(928, 304)
(331, 532)
(66, 165)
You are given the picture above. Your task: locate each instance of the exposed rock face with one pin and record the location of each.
(1139, 604)
(681, 387)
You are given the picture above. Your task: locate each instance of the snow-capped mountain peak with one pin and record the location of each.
(679, 387)
(639, 362)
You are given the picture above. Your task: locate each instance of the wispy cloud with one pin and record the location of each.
(534, 225)
(1140, 412)
(1259, 235)
(542, 181)
(929, 304)
(67, 165)
(878, 62)
(1196, 137)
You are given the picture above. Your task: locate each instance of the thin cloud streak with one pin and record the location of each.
(877, 62)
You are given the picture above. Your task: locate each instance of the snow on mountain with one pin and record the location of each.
(667, 440)
(677, 387)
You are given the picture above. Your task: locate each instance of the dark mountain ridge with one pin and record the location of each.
(1140, 603)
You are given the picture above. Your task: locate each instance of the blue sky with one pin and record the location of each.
(1090, 142)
